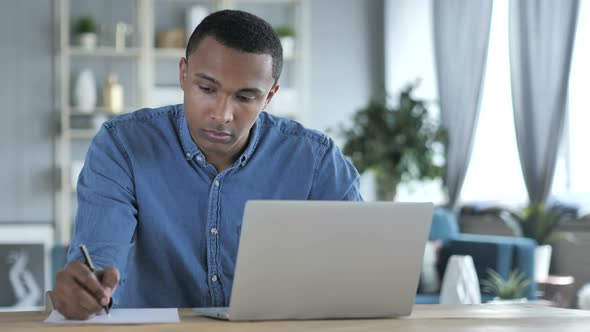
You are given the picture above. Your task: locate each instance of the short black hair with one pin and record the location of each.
(241, 31)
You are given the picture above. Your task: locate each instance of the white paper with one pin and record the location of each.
(122, 316)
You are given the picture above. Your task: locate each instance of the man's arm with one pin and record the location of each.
(335, 177)
(105, 223)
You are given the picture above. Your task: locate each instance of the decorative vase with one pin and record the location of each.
(113, 95)
(288, 44)
(85, 92)
(542, 262)
(87, 40)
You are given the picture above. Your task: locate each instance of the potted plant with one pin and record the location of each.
(399, 144)
(542, 225)
(512, 288)
(86, 29)
(287, 35)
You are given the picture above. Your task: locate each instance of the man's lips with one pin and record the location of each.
(216, 136)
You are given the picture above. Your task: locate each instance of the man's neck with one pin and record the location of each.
(220, 162)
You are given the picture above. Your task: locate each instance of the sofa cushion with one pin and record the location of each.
(487, 252)
(444, 225)
(427, 299)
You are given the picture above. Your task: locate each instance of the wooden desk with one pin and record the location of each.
(440, 318)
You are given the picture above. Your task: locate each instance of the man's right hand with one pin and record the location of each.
(79, 293)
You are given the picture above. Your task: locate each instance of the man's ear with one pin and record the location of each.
(271, 93)
(182, 69)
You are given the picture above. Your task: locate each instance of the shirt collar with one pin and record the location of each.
(191, 149)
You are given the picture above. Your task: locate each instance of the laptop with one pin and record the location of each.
(327, 260)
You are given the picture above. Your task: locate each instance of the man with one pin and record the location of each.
(162, 192)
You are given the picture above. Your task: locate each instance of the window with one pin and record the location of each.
(572, 176)
(494, 171)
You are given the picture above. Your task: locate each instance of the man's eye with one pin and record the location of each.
(206, 89)
(244, 99)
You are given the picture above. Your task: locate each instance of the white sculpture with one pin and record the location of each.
(26, 289)
(584, 297)
(460, 284)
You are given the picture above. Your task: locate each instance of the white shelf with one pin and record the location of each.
(103, 111)
(102, 52)
(148, 59)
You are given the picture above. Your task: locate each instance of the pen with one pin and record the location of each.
(88, 262)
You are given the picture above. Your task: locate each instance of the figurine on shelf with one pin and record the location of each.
(113, 95)
(122, 32)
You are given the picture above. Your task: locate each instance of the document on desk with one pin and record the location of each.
(122, 316)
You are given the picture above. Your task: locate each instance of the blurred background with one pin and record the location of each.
(478, 106)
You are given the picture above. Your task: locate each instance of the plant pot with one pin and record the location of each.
(542, 262)
(87, 40)
(498, 300)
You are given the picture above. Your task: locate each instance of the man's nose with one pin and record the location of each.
(222, 111)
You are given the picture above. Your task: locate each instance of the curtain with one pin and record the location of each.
(461, 35)
(541, 42)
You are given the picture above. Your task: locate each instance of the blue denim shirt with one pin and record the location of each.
(150, 204)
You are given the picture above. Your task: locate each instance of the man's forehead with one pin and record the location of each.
(223, 63)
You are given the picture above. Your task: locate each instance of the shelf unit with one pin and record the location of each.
(144, 65)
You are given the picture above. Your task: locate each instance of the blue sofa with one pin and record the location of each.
(501, 253)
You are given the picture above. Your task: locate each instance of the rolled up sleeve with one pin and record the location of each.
(107, 211)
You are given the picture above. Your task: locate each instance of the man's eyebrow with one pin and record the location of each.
(251, 90)
(208, 78)
(212, 80)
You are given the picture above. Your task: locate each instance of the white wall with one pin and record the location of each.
(347, 64)
(27, 114)
(347, 58)
(409, 50)
(409, 56)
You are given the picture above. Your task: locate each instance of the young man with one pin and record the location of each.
(162, 192)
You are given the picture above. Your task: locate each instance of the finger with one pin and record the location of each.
(71, 299)
(109, 277)
(84, 277)
(87, 302)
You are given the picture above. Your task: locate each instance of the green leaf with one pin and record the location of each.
(512, 288)
(398, 142)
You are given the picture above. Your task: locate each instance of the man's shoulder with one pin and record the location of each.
(291, 130)
(139, 118)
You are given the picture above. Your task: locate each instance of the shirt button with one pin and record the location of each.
(214, 278)
(188, 156)
(199, 158)
(217, 183)
(214, 231)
